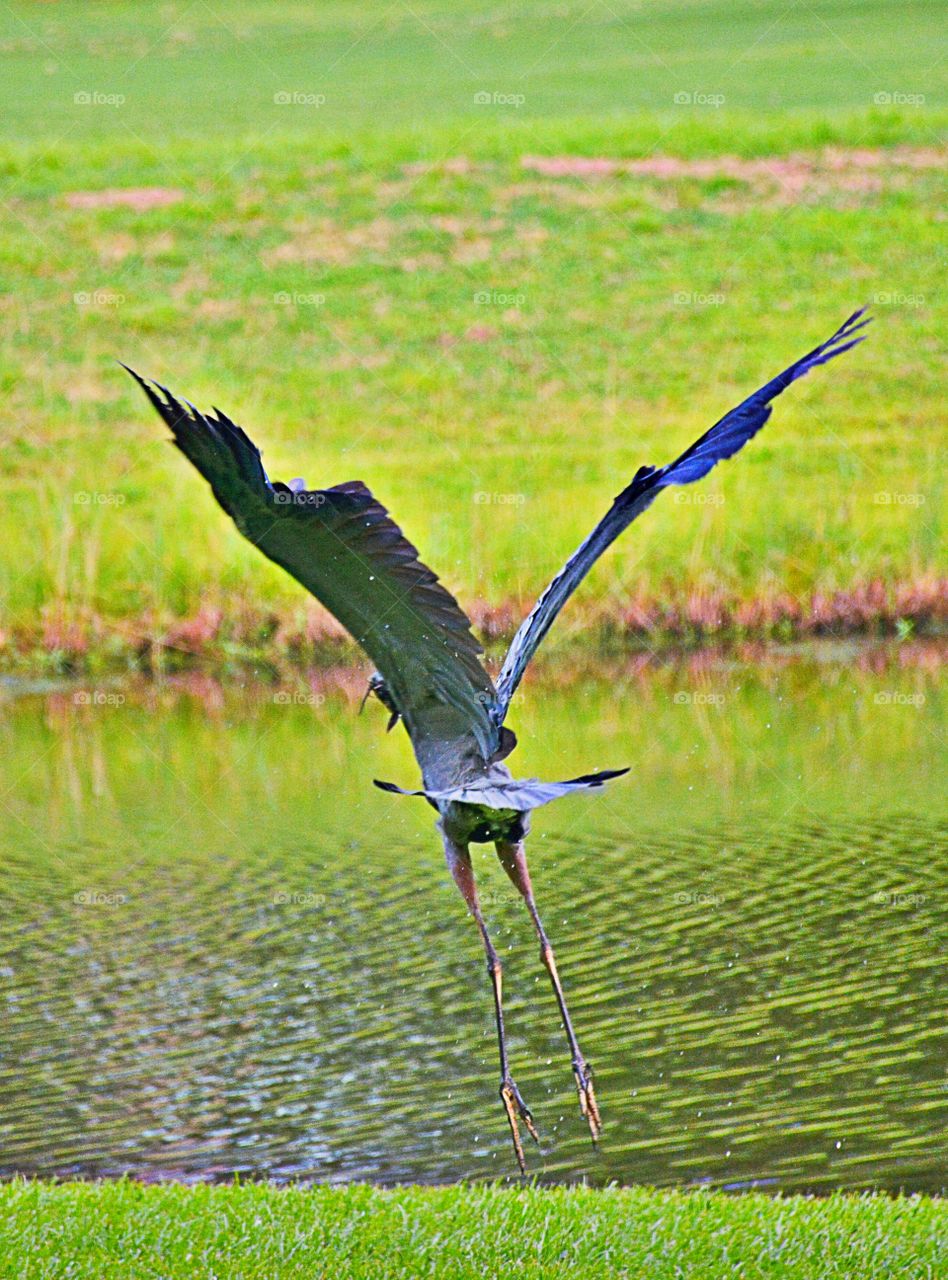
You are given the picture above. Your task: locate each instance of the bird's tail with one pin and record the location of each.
(514, 793)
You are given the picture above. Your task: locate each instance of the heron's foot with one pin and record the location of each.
(587, 1097)
(517, 1110)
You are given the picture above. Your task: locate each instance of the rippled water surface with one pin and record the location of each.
(224, 950)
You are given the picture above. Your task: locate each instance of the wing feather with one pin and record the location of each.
(343, 546)
(722, 441)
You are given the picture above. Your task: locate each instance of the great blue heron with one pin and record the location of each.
(342, 545)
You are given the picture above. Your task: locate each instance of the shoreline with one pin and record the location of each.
(221, 635)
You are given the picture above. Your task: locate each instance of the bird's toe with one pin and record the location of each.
(587, 1098)
(517, 1111)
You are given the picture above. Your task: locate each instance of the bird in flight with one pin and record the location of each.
(344, 547)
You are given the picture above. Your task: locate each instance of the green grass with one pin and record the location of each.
(122, 1229)
(329, 295)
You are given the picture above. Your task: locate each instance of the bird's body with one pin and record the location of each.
(343, 546)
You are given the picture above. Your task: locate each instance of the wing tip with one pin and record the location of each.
(600, 777)
(393, 789)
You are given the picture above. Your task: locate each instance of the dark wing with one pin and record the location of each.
(341, 544)
(722, 441)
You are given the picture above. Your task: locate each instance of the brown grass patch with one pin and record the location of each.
(333, 244)
(141, 199)
(458, 165)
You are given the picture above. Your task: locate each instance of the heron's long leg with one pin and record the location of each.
(459, 863)
(514, 861)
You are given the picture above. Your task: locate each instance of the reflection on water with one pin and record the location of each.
(224, 950)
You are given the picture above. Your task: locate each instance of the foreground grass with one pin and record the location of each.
(122, 1229)
(386, 284)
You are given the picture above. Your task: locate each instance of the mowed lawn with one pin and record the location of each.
(489, 263)
(127, 1231)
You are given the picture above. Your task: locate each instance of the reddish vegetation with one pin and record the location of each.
(789, 178)
(794, 166)
(311, 687)
(310, 635)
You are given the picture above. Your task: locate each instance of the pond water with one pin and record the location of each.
(223, 950)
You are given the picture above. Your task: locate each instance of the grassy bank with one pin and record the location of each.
(129, 1231)
(387, 275)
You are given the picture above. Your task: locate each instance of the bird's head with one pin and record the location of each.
(378, 687)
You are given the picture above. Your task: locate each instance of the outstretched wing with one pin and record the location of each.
(510, 793)
(722, 441)
(342, 545)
